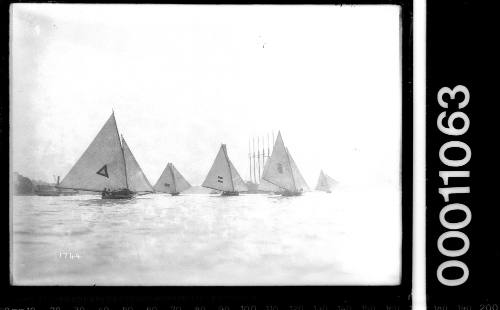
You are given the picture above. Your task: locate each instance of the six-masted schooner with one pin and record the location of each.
(282, 171)
(325, 183)
(171, 181)
(223, 176)
(108, 166)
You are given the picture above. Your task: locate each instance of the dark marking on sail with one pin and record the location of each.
(167, 185)
(280, 168)
(220, 179)
(103, 171)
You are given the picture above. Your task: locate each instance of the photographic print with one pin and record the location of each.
(205, 145)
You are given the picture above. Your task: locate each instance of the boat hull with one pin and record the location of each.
(47, 193)
(290, 194)
(174, 194)
(230, 194)
(67, 194)
(119, 194)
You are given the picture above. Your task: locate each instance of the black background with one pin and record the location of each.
(336, 298)
(459, 49)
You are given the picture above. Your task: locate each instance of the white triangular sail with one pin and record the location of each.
(137, 181)
(171, 181)
(322, 184)
(223, 175)
(300, 182)
(265, 185)
(181, 184)
(325, 183)
(279, 170)
(102, 165)
(165, 183)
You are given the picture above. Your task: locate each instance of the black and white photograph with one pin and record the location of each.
(205, 145)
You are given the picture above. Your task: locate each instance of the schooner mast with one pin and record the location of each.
(258, 157)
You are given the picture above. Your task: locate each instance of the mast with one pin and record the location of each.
(173, 177)
(229, 166)
(124, 161)
(263, 155)
(258, 154)
(250, 160)
(121, 146)
(268, 153)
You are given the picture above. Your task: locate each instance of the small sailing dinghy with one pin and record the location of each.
(283, 172)
(171, 181)
(325, 183)
(223, 176)
(108, 166)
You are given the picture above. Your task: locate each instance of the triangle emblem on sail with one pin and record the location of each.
(103, 171)
(101, 165)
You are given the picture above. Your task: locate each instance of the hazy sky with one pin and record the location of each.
(182, 79)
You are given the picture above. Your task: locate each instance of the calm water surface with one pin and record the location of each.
(346, 237)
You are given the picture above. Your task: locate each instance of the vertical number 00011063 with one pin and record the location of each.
(454, 228)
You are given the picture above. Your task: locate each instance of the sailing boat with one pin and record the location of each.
(171, 181)
(283, 172)
(325, 183)
(223, 176)
(108, 166)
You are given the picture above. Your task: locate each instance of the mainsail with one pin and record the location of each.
(102, 165)
(171, 181)
(137, 181)
(223, 175)
(325, 183)
(265, 185)
(282, 170)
